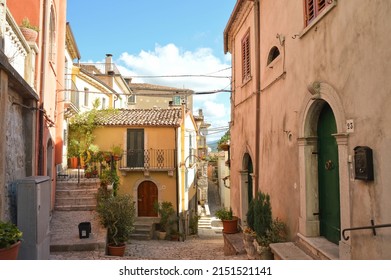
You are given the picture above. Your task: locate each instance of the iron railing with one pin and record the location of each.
(373, 227)
(132, 160)
(149, 159)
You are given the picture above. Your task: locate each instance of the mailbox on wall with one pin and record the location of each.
(363, 163)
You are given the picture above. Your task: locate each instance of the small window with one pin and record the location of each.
(131, 99)
(246, 60)
(176, 100)
(313, 8)
(273, 54)
(86, 96)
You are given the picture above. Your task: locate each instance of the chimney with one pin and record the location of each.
(109, 63)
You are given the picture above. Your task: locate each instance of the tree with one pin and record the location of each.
(223, 140)
(81, 127)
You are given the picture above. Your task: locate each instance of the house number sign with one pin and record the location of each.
(349, 126)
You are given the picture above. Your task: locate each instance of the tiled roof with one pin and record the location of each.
(141, 117)
(145, 86)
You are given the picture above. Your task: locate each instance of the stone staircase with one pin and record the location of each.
(305, 248)
(144, 228)
(71, 196)
(205, 222)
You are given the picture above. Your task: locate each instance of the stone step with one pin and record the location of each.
(73, 185)
(288, 251)
(144, 228)
(75, 193)
(318, 248)
(81, 200)
(75, 207)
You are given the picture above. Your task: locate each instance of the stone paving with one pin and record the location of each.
(207, 245)
(201, 247)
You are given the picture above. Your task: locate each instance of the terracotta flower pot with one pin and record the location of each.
(10, 253)
(29, 34)
(230, 226)
(118, 251)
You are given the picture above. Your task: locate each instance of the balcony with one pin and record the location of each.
(149, 159)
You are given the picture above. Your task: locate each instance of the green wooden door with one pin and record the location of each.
(328, 176)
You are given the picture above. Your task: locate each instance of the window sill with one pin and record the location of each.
(246, 80)
(318, 18)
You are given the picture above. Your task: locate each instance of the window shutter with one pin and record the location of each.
(310, 9)
(246, 62)
(313, 8)
(135, 147)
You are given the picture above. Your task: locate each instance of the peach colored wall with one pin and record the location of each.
(339, 52)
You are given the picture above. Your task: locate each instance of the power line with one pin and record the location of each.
(210, 75)
(181, 76)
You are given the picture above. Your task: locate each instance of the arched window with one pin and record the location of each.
(273, 54)
(52, 36)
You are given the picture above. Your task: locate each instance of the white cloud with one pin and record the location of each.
(171, 61)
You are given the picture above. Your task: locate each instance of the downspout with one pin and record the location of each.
(177, 165)
(183, 159)
(42, 91)
(257, 92)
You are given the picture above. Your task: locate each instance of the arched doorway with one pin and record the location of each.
(49, 158)
(250, 187)
(247, 186)
(147, 195)
(328, 176)
(322, 100)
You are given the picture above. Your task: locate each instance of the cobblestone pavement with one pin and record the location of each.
(207, 245)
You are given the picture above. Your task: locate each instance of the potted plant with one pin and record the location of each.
(109, 179)
(230, 222)
(10, 240)
(29, 31)
(262, 229)
(117, 152)
(167, 216)
(117, 214)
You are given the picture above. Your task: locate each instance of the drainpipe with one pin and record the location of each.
(258, 91)
(41, 120)
(180, 229)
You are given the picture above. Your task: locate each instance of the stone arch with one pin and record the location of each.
(246, 177)
(320, 93)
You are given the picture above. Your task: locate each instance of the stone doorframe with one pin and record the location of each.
(319, 94)
(243, 175)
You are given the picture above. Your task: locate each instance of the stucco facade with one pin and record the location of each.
(50, 18)
(158, 162)
(329, 62)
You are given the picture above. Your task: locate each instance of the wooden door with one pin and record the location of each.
(328, 176)
(147, 194)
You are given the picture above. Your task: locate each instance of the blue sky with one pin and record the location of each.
(154, 38)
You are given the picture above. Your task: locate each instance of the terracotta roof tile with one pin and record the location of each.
(141, 117)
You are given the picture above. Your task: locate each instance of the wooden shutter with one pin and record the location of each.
(313, 8)
(310, 10)
(135, 148)
(246, 62)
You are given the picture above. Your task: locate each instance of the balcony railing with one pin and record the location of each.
(149, 159)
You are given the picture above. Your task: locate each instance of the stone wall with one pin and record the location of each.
(15, 163)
